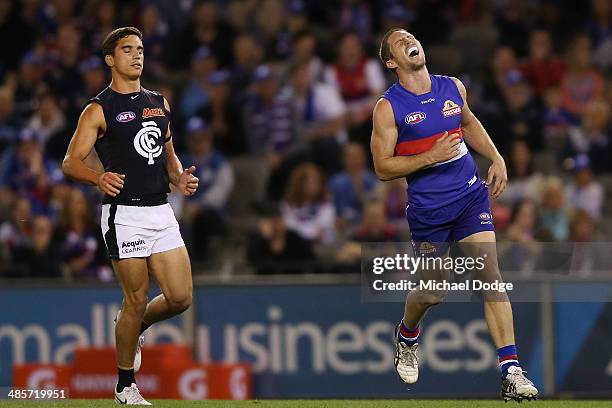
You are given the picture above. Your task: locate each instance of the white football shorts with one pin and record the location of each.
(137, 232)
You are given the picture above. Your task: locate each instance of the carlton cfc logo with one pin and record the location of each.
(415, 117)
(146, 141)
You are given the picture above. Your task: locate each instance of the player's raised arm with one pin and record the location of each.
(478, 139)
(183, 179)
(91, 124)
(384, 137)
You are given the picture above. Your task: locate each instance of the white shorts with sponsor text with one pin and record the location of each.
(138, 232)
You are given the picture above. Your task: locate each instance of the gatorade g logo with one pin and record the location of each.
(146, 141)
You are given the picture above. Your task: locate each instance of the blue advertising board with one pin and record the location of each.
(46, 325)
(322, 341)
(302, 341)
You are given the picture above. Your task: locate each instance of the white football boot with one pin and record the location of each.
(130, 396)
(406, 360)
(518, 387)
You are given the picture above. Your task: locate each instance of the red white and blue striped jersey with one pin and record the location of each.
(421, 120)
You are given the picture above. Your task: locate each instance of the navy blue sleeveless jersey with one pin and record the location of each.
(134, 145)
(420, 121)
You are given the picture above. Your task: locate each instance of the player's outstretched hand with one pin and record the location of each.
(446, 147)
(188, 183)
(111, 183)
(498, 175)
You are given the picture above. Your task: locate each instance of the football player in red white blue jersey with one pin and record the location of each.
(422, 127)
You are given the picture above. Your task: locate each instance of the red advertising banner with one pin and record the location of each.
(168, 371)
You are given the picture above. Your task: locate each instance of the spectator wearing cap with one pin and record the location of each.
(269, 129)
(360, 81)
(542, 69)
(274, 248)
(319, 117)
(584, 192)
(520, 116)
(267, 113)
(29, 82)
(204, 212)
(351, 187)
(591, 137)
(196, 94)
(223, 115)
(93, 71)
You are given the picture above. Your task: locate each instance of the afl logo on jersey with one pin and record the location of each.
(450, 109)
(125, 116)
(146, 141)
(415, 117)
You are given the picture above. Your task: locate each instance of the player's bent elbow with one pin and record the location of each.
(382, 174)
(66, 167)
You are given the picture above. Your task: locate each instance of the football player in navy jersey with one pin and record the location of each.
(129, 128)
(422, 126)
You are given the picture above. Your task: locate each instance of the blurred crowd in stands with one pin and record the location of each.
(272, 102)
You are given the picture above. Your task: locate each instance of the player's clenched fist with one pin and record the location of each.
(446, 147)
(111, 183)
(188, 183)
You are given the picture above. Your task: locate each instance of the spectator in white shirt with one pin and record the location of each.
(319, 115)
(306, 207)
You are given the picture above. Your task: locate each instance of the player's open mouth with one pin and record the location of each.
(413, 51)
(137, 65)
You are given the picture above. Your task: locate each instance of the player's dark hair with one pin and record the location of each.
(385, 52)
(111, 40)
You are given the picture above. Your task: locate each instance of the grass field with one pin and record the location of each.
(322, 404)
